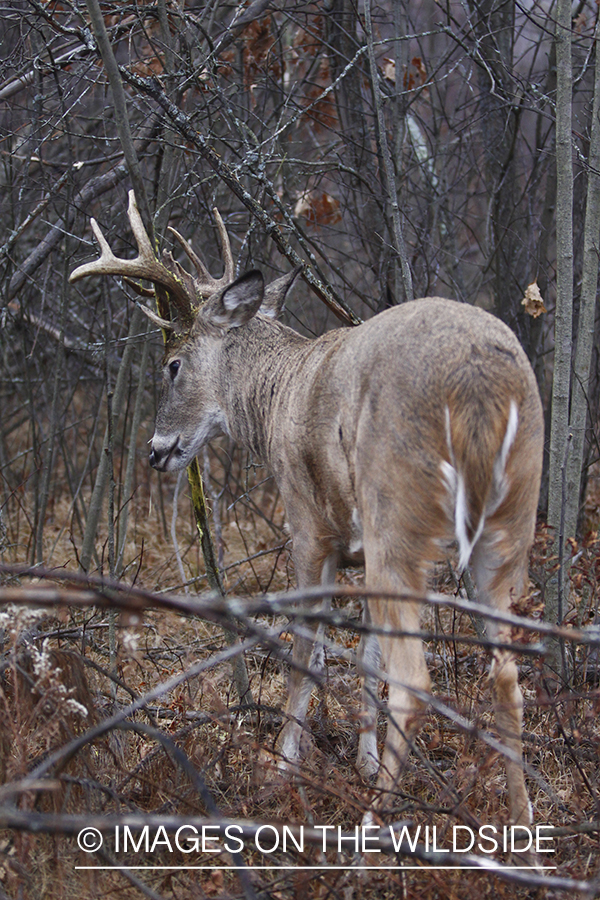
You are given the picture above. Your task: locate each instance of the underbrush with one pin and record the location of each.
(191, 753)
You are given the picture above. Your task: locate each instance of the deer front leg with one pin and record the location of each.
(307, 655)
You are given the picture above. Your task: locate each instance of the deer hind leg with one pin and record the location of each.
(307, 661)
(369, 656)
(500, 579)
(402, 657)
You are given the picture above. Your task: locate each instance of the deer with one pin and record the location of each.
(389, 441)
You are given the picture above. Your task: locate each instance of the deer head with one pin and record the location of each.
(184, 291)
(202, 310)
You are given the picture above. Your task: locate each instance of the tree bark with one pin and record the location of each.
(587, 312)
(559, 431)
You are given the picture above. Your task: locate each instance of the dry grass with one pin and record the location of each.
(452, 778)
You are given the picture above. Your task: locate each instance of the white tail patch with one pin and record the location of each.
(455, 483)
(457, 490)
(500, 480)
(356, 538)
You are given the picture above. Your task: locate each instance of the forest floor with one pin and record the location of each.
(59, 680)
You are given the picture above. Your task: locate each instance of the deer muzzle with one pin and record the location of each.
(164, 450)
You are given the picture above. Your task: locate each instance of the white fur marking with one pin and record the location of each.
(461, 520)
(356, 535)
(455, 484)
(449, 433)
(449, 476)
(369, 658)
(212, 424)
(465, 553)
(511, 433)
(500, 480)
(290, 748)
(368, 820)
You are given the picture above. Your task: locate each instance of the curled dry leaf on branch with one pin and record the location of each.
(533, 301)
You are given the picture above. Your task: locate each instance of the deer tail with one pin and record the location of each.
(475, 476)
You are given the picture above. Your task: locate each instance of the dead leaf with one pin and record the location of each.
(389, 70)
(318, 207)
(533, 302)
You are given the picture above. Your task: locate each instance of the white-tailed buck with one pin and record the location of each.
(420, 427)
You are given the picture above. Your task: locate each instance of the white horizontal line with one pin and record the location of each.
(310, 868)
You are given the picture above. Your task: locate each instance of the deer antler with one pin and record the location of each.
(145, 265)
(183, 289)
(205, 285)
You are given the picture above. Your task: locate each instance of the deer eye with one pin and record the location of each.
(174, 367)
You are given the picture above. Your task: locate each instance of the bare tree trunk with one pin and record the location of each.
(559, 433)
(121, 118)
(404, 284)
(500, 101)
(131, 458)
(362, 185)
(53, 429)
(587, 311)
(136, 325)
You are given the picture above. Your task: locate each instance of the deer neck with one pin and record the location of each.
(258, 366)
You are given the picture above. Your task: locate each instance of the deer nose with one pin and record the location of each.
(163, 449)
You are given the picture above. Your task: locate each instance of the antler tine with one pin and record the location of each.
(140, 290)
(146, 255)
(189, 282)
(228, 263)
(145, 265)
(192, 255)
(205, 284)
(148, 292)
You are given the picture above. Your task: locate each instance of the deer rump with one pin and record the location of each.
(408, 421)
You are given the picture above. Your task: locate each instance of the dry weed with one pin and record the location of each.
(54, 668)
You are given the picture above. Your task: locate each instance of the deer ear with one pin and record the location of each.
(276, 292)
(237, 303)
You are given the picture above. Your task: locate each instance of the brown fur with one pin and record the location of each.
(354, 426)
